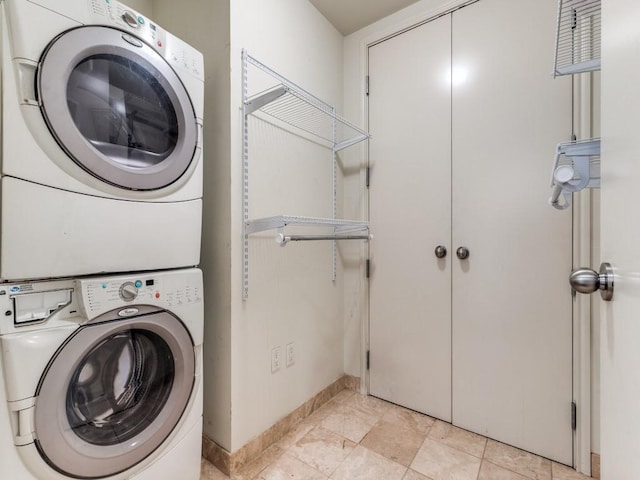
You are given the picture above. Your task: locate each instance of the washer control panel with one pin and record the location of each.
(167, 290)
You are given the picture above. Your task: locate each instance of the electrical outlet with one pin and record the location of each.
(276, 359)
(290, 354)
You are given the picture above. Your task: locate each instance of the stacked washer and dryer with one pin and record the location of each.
(101, 305)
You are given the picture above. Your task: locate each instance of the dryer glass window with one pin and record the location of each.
(119, 387)
(121, 108)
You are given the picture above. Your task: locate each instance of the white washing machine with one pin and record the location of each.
(101, 141)
(101, 377)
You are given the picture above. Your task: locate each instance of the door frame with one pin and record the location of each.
(397, 24)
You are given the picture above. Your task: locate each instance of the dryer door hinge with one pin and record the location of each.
(574, 415)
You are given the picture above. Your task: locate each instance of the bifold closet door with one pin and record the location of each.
(465, 117)
(410, 213)
(512, 326)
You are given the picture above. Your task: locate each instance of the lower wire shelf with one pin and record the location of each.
(279, 222)
(323, 229)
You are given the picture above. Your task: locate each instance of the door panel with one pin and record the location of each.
(410, 321)
(620, 229)
(512, 327)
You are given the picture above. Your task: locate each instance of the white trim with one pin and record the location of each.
(582, 216)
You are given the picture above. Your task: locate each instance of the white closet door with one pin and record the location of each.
(512, 327)
(410, 289)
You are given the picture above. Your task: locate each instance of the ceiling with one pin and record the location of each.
(349, 16)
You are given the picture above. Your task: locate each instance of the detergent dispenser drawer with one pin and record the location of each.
(38, 306)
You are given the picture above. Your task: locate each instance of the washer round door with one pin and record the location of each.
(117, 108)
(113, 393)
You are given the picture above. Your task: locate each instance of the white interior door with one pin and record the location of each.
(472, 121)
(512, 323)
(620, 221)
(410, 160)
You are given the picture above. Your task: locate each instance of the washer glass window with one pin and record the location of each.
(119, 387)
(113, 394)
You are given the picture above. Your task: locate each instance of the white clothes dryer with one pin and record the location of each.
(102, 141)
(101, 377)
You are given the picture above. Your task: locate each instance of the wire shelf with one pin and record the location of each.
(294, 107)
(576, 166)
(337, 226)
(302, 110)
(578, 37)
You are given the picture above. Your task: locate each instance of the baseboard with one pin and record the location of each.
(595, 465)
(228, 463)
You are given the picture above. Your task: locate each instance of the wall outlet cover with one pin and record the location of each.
(276, 359)
(290, 354)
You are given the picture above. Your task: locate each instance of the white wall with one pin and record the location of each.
(145, 7)
(291, 295)
(205, 25)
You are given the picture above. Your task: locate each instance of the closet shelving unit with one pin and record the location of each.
(297, 110)
(577, 163)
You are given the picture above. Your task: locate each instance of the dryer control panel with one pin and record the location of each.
(176, 52)
(167, 290)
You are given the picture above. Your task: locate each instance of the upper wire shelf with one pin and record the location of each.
(298, 108)
(578, 37)
(576, 166)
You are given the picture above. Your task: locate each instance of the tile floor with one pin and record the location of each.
(354, 437)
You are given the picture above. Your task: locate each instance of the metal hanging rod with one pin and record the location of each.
(282, 239)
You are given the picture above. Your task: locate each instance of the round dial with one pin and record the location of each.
(130, 19)
(128, 291)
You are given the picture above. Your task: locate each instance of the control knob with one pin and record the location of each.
(128, 291)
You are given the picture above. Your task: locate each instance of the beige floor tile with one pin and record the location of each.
(322, 450)
(413, 475)
(458, 438)
(409, 419)
(442, 462)
(323, 412)
(349, 423)
(394, 442)
(363, 464)
(209, 472)
(372, 407)
(251, 470)
(489, 471)
(294, 435)
(561, 472)
(288, 467)
(343, 395)
(519, 461)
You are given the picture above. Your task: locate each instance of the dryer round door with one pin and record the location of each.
(117, 108)
(113, 393)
